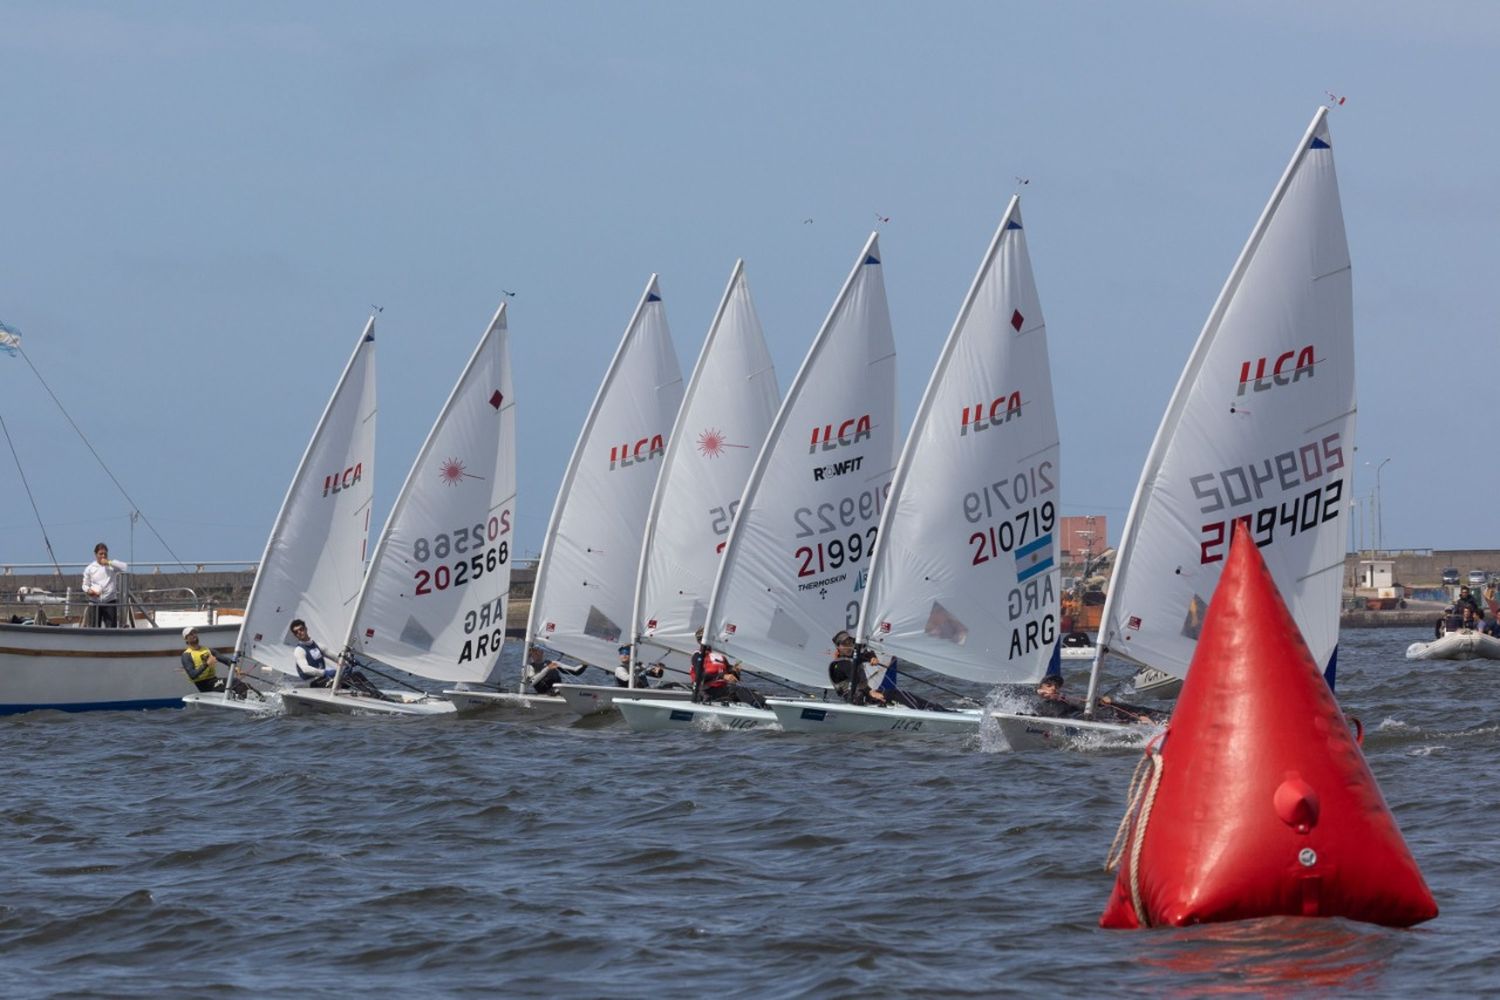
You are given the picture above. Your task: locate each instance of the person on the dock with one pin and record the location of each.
(716, 679)
(543, 674)
(313, 664)
(200, 664)
(99, 586)
(643, 673)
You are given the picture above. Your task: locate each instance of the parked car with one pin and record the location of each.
(1450, 577)
(1478, 578)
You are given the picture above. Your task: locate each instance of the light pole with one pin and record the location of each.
(1379, 510)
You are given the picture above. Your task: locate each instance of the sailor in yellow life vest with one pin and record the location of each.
(198, 662)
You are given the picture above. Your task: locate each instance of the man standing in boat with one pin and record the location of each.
(99, 586)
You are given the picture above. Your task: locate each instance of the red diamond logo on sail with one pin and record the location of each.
(1016, 319)
(651, 624)
(369, 633)
(496, 399)
(729, 630)
(1134, 622)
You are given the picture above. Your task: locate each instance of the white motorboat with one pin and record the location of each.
(1260, 429)
(655, 715)
(72, 669)
(1461, 644)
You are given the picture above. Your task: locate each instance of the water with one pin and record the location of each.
(167, 854)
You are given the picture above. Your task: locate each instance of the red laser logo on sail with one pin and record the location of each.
(452, 472)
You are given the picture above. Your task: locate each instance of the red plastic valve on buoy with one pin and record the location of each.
(1258, 802)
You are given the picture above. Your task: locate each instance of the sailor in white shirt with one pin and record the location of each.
(99, 584)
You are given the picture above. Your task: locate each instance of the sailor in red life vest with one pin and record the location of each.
(716, 679)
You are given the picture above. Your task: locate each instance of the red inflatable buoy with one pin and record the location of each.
(1257, 801)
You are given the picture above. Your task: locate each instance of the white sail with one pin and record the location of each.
(730, 402)
(1261, 427)
(434, 599)
(793, 569)
(965, 579)
(315, 556)
(584, 593)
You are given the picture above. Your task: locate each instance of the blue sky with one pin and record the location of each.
(200, 203)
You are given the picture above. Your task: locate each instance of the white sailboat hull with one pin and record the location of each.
(322, 701)
(215, 701)
(596, 699)
(1461, 645)
(654, 715)
(509, 705)
(1031, 732)
(1157, 683)
(803, 716)
(70, 669)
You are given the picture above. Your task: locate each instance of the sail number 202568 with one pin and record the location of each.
(474, 545)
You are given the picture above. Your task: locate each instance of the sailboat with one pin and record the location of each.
(1260, 430)
(730, 401)
(433, 601)
(793, 566)
(314, 558)
(585, 580)
(964, 580)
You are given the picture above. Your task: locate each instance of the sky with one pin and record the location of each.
(201, 203)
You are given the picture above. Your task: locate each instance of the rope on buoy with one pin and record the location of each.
(1140, 799)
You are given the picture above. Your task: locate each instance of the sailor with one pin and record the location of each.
(1453, 620)
(199, 663)
(716, 679)
(893, 694)
(312, 663)
(99, 585)
(847, 672)
(544, 674)
(642, 673)
(1051, 702)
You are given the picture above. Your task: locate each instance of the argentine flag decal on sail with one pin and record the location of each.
(1033, 558)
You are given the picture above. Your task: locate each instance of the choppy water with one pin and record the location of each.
(168, 854)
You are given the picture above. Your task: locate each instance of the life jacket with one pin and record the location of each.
(314, 654)
(202, 669)
(715, 671)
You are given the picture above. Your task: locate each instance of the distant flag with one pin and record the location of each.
(1335, 100)
(10, 339)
